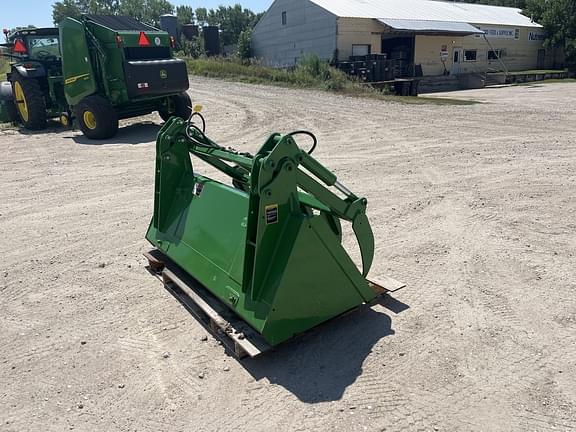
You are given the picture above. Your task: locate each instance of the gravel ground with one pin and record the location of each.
(474, 207)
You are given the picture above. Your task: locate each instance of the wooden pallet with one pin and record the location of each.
(241, 339)
(218, 319)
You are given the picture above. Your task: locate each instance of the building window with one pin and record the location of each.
(470, 55)
(284, 18)
(494, 54)
(361, 50)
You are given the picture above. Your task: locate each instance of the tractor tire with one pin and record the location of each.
(182, 107)
(7, 98)
(96, 117)
(12, 112)
(30, 102)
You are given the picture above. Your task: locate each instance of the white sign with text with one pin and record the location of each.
(535, 36)
(501, 33)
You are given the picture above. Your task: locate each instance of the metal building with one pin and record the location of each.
(436, 37)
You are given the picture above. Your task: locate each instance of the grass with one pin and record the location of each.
(4, 67)
(311, 73)
(537, 72)
(548, 81)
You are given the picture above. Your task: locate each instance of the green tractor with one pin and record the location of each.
(94, 72)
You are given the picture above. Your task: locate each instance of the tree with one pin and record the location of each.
(185, 14)
(103, 7)
(148, 11)
(75, 8)
(134, 8)
(191, 48)
(214, 16)
(559, 20)
(66, 8)
(155, 9)
(232, 20)
(245, 44)
(202, 16)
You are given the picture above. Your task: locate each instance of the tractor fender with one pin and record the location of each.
(33, 70)
(5, 91)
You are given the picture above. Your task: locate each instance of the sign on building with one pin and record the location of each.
(535, 36)
(444, 53)
(501, 33)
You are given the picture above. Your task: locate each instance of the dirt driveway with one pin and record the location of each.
(474, 207)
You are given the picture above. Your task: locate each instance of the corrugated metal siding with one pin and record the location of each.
(427, 10)
(309, 29)
(431, 26)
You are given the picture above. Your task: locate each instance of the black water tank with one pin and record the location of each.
(211, 40)
(169, 23)
(190, 31)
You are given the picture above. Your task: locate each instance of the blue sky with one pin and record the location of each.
(39, 12)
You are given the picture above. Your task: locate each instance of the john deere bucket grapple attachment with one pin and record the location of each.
(268, 246)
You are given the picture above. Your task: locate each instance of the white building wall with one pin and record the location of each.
(518, 48)
(517, 53)
(308, 29)
(358, 31)
(311, 29)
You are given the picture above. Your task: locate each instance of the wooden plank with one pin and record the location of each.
(241, 339)
(154, 260)
(203, 319)
(222, 321)
(386, 284)
(234, 333)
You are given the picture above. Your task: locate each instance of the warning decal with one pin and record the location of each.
(271, 214)
(198, 188)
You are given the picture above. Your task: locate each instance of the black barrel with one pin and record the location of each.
(169, 23)
(211, 40)
(190, 31)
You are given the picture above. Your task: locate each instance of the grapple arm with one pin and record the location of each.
(350, 208)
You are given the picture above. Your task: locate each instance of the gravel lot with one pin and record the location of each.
(474, 207)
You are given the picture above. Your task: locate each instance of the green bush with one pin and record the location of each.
(4, 67)
(245, 45)
(191, 48)
(310, 72)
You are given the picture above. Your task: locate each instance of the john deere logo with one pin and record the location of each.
(163, 74)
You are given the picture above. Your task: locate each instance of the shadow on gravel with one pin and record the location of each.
(139, 133)
(320, 365)
(52, 126)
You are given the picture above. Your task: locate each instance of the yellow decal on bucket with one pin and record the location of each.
(73, 79)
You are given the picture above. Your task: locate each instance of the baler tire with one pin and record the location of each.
(96, 117)
(31, 110)
(182, 107)
(12, 112)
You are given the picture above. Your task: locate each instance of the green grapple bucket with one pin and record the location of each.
(268, 246)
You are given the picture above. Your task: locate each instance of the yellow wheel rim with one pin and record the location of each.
(21, 101)
(64, 120)
(89, 120)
